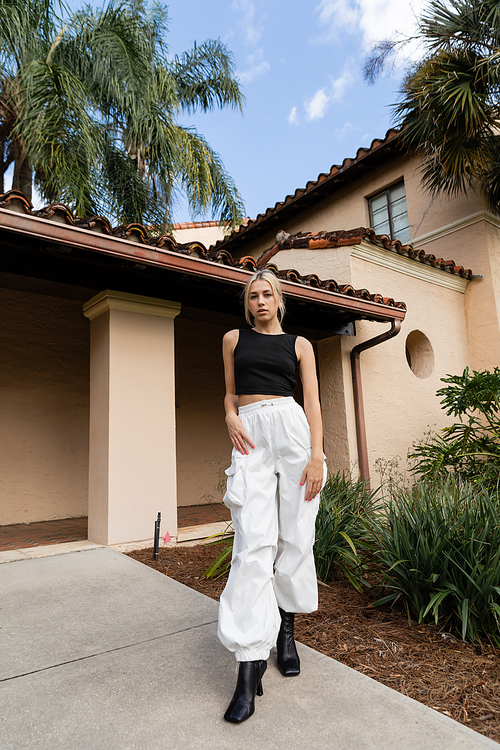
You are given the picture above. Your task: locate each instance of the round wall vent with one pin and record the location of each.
(419, 354)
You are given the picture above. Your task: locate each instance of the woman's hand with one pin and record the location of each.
(313, 475)
(237, 433)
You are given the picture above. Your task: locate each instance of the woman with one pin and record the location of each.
(273, 486)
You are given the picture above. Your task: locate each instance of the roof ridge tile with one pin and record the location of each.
(346, 237)
(391, 138)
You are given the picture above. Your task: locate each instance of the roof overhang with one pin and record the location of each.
(52, 251)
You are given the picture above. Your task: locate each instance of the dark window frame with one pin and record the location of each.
(389, 204)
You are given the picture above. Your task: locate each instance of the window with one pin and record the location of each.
(388, 214)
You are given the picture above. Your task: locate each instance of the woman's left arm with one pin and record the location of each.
(313, 472)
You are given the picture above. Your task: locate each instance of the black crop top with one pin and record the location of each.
(265, 363)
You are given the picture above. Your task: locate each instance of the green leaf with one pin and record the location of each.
(93, 104)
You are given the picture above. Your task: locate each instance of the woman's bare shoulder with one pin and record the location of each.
(303, 346)
(231, 338)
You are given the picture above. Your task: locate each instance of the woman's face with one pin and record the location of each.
(261, 301)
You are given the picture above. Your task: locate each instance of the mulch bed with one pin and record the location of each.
(461, 680)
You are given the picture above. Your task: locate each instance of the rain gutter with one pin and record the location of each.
(359, 409)
(111, 246)
(52, 231)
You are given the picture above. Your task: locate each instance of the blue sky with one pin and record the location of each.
(300, 66)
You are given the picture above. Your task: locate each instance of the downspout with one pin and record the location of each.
(359, 410)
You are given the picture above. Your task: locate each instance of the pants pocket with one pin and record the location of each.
(234, 497)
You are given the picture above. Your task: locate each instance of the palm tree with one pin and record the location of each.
(89, 108)
(449, 110)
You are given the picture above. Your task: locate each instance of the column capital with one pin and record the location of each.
(110, 300)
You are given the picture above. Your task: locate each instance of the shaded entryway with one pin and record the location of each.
(60, 531)
(44, 402)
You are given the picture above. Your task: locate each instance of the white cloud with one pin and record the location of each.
(256, 66)
(340, 85)
(292, 117)
(317, 106)
(390, 18)
(337, 13)
(250, 24)
(373, 20)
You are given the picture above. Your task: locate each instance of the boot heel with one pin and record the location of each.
(249, 684)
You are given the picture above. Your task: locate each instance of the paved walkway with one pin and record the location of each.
(101, 652)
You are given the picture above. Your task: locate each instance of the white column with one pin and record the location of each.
(132, 461)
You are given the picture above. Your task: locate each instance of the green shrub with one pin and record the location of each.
(437, 548)
(340, 530)
(471, 446)
(222, 563)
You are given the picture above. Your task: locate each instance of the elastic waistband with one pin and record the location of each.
(276, 404)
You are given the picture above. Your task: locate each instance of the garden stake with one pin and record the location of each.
(157, 536)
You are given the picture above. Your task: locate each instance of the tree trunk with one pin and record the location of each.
(5, 162)
(23, 173)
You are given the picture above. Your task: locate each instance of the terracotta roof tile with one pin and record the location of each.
(202, 224)
(196, 224)
(326, 182)
(139, 234)
(318, 240)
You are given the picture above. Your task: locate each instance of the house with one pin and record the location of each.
(111, 378)
(420, 249)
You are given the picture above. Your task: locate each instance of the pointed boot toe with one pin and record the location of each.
(249, 685)
(288, 658)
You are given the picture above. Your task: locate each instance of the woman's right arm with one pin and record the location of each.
(237, 433)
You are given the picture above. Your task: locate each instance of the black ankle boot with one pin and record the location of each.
(288, 658)
(249, 684)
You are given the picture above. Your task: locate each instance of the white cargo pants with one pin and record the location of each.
(273, 563)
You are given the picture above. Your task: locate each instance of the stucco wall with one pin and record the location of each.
(491, 350)
(203, 445)
(329, 263)
(206, 235)
(333, 383)
(477, 246)
(44, 406)
(348, 208)
(399, 406)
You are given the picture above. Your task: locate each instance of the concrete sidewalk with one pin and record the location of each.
(101, 652)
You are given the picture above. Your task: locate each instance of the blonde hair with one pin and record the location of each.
(265, 274)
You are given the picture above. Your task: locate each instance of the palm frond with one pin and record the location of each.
(204, 179)
(92, 103)
(205, 78)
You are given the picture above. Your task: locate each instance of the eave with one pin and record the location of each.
(56, 251)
